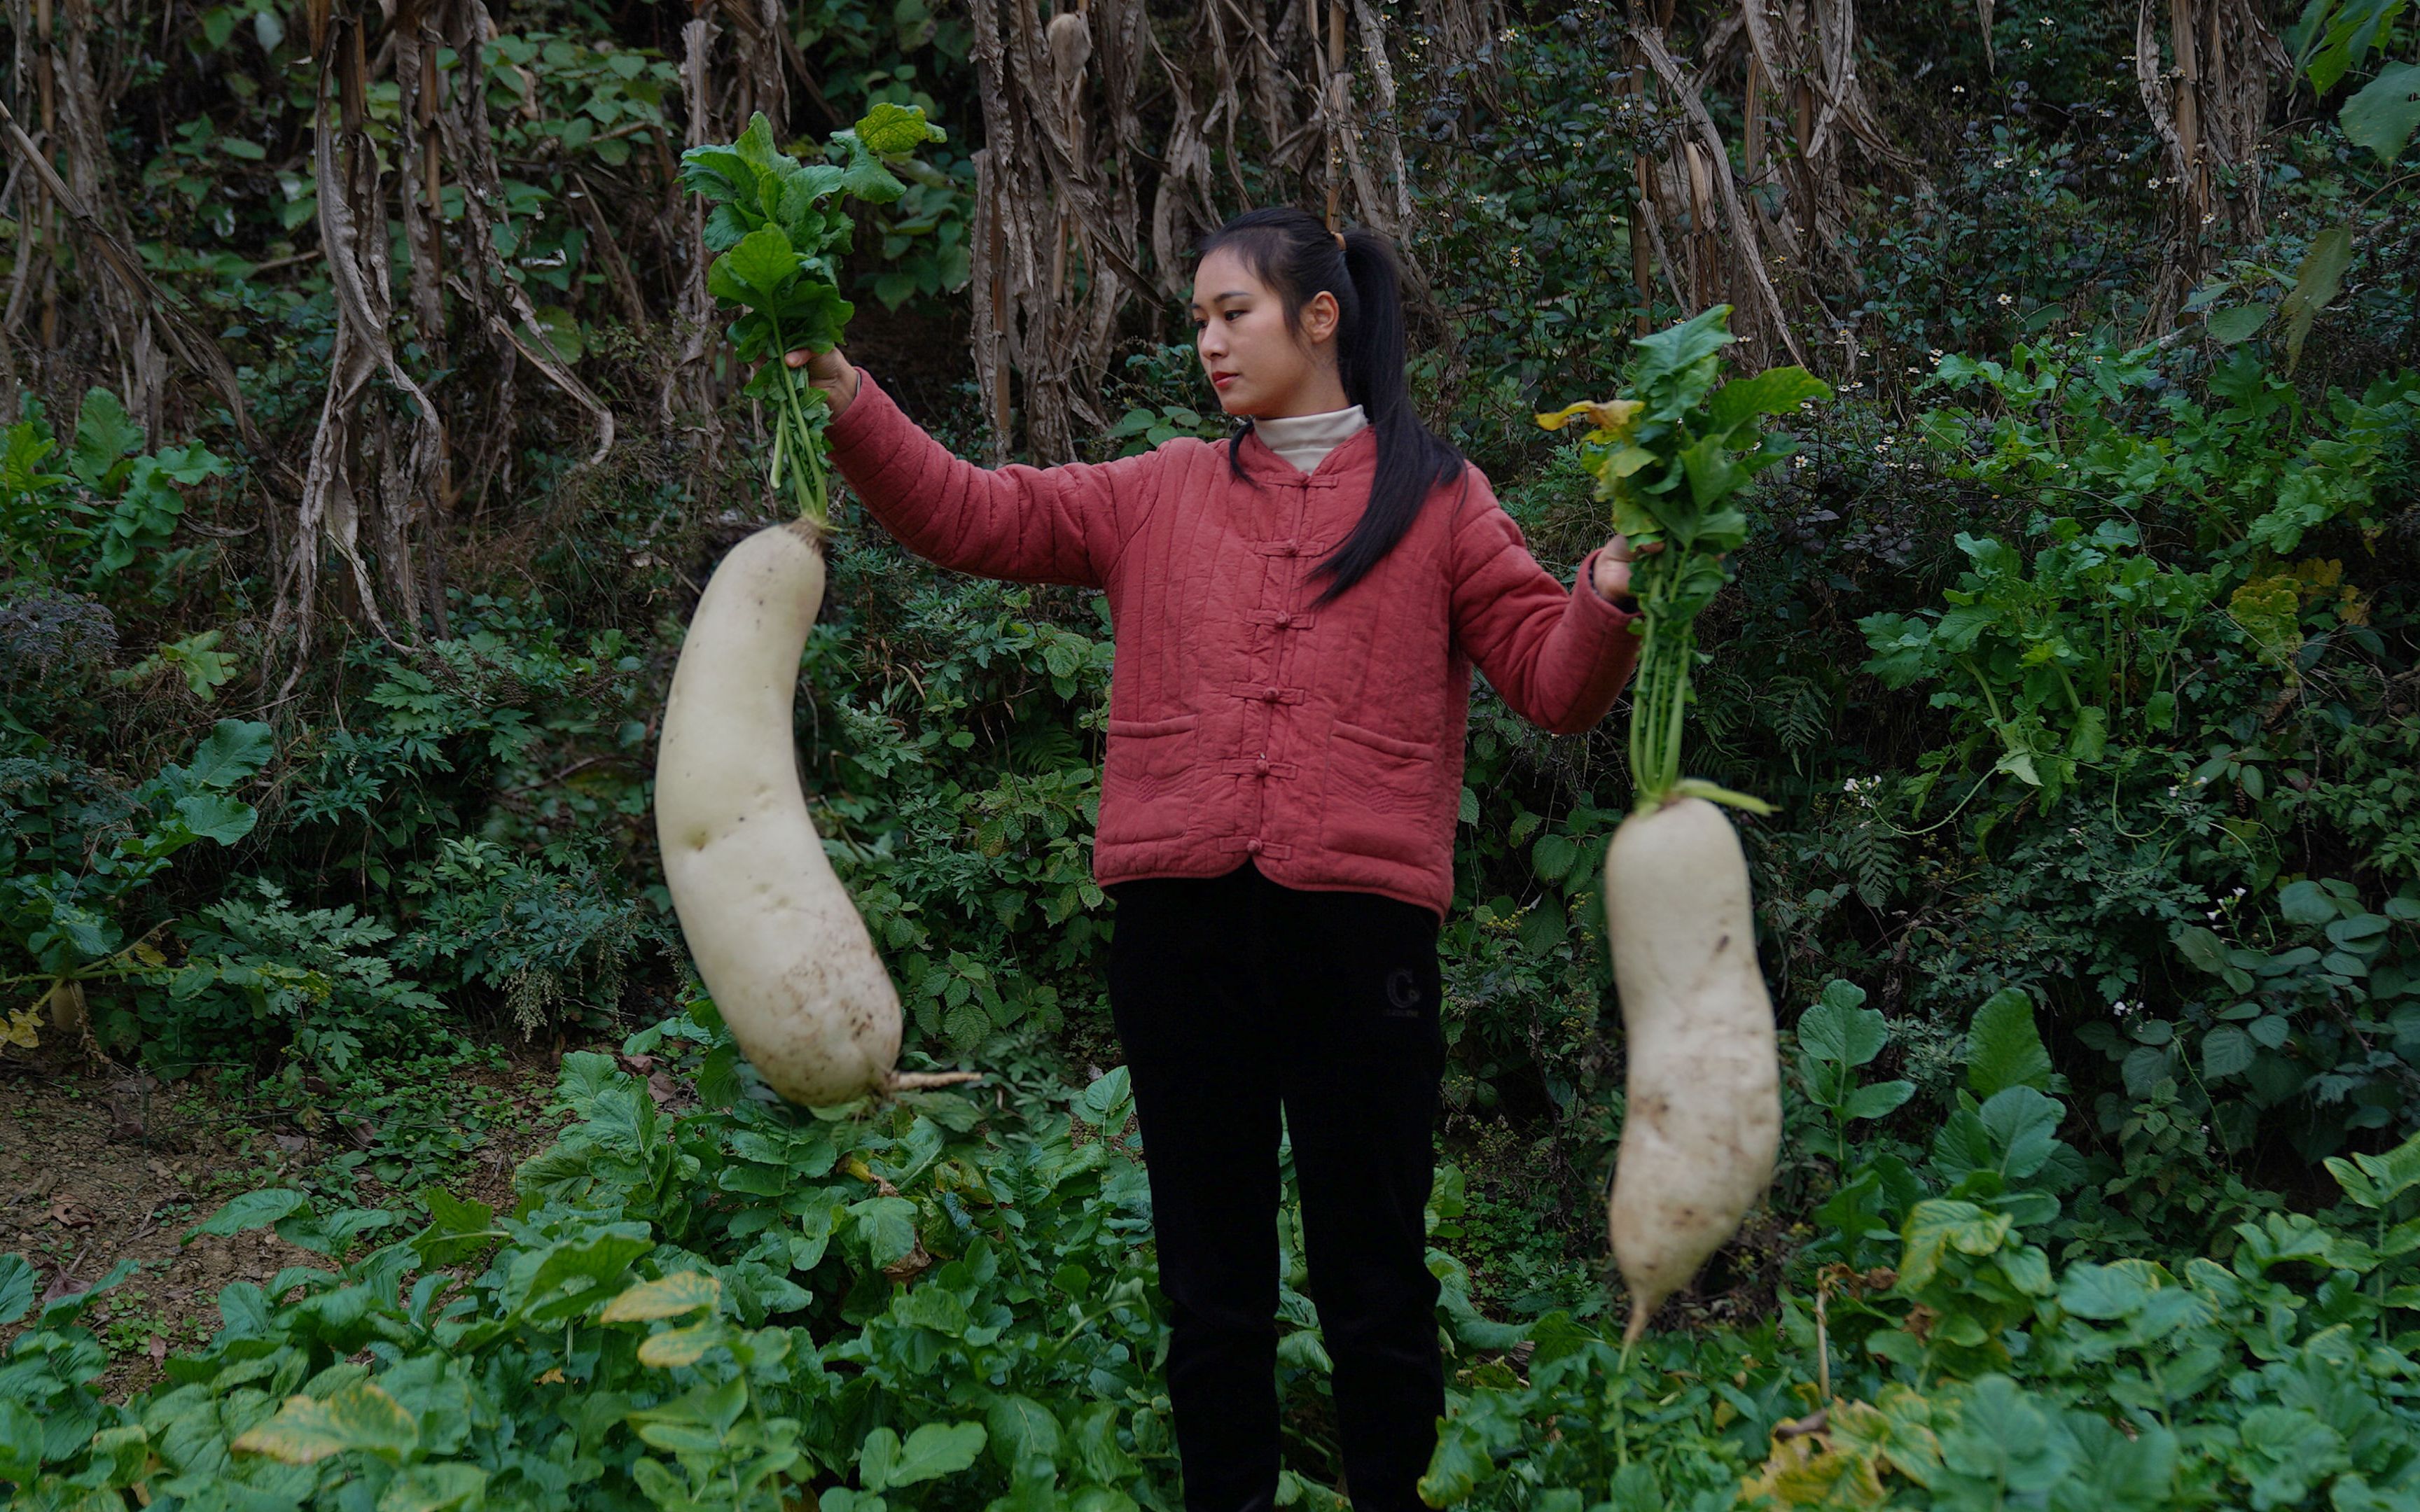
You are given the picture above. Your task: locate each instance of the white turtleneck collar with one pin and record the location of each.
(1303, 440)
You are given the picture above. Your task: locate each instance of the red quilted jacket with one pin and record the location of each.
(1324, 745)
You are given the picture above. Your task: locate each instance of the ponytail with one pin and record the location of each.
(1298, 257)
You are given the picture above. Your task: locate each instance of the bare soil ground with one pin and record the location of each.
(97, 1167)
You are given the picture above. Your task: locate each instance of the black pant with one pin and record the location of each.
(1235, 997)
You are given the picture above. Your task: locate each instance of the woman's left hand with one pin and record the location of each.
(1612, 577)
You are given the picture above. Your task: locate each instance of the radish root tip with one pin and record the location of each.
(924, 1080)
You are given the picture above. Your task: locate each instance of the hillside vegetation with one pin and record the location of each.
(367, 434)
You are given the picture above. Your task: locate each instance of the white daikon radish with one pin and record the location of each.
(1703, 1078)
(775, 935)
(779, 944)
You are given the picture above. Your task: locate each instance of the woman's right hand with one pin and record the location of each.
(830, 372)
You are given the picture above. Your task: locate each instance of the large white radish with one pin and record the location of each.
(1704, 1083)
(780, 946)
(1704, 1080)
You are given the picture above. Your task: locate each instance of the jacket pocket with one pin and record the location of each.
(1383, 797)
(1145, 780)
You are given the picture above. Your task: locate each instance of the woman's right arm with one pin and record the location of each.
(1024, 524)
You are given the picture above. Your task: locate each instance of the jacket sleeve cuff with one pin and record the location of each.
(863, 421)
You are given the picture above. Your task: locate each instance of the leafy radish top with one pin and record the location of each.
(1671, 459)
(778, 225)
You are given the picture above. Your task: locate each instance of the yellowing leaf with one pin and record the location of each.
(1623, 463)
(2318, 573)
(892, 129)
(1941, 1225)
(435, 1488)
(1898, 1432)
(681, 1346)
(306, 1430)
(1610, 416)
(1806, 1472)
(2269, 610)
(670, 1297)
(23, 1027)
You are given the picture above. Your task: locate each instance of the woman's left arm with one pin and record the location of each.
(1558, 656)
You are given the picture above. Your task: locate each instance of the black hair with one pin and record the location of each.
(1298, 257)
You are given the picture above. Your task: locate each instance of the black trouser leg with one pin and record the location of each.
(1196, 1035)
(1232, 995)
(1360, 1091)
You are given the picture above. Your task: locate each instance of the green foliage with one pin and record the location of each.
(1970, 1370)
(2070, 662)
(263, 972)
(777, 241)
(30, 499)
(115, 506)
(1835, 1037)
(2333, 37)
(2172, 584)
(78, 860)
(2101, 674)
(927, 1300)
(196, 658)
(700, 1312)
(541, 935)
(2385, 114)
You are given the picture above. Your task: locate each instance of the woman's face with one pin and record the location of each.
(1257, 364)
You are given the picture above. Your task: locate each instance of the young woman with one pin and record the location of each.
(1297, 611)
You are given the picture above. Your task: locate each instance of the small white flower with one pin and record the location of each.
(2003, 299)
